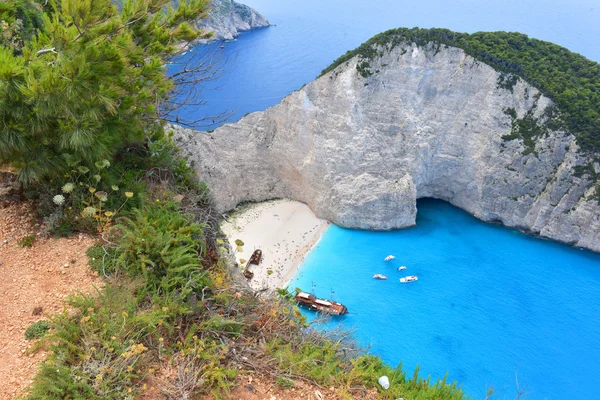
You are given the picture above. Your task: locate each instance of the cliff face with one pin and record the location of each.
(428, 123)
(227, 18)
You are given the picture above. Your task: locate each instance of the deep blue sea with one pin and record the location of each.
(490, 303)
(268, 64)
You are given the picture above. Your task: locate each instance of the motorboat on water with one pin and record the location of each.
(402, 268)
(410, 278)
(311, 302)
(380, 277)
(389, 258)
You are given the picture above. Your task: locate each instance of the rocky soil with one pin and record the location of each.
(34, 283)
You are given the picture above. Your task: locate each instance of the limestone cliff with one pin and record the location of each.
(227, 18)
(428, 123)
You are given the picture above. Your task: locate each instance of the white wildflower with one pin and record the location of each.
(59, 199)
(102, 164)
(68, 188)
(88, 212)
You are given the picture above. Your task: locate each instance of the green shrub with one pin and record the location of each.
(102, 259)
(37, 330)
(164, 247)
(26, 241)
(57, 382)
(85, 199)
(284, 382)
(201, 366)
(223, 325)
(125, 183)
(97, 351)
(323, 363)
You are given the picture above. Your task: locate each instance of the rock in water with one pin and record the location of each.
(429, 121)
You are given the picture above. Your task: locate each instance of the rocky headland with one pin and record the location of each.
(363, 142)
(227, 18)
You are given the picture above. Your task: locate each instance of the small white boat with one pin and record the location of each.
(380, 277)
(402, 268)
(389, 258)
(410, 278)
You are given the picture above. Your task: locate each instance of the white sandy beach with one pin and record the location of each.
(284, 230)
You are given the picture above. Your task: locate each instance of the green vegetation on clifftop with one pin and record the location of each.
(569, 79)
(19, 20)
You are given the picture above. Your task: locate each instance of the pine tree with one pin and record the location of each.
(92, 80)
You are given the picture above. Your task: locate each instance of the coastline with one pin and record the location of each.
(285, 230)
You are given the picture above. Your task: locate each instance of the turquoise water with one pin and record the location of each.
(268, 64)
(490, 302)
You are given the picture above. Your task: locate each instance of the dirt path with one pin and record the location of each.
(33, 284)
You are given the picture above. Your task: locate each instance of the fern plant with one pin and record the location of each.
(164, 247)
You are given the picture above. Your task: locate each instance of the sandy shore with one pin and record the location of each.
(284, 230)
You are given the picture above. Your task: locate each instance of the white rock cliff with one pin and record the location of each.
(227, 18)
(361, 151)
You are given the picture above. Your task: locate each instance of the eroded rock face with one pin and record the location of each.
(227, 18)
(361, 151)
